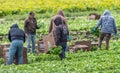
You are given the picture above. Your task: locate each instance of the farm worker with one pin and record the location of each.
(17, 37)
(61, 35)
(30, 27)
(61, 13)
(108, 27)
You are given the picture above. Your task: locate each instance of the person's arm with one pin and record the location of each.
(26, 26)
(68, 33)
(35, 21)
(65, 22)
(51, 25)
(99, 23)
(58, 36)
(114, 26)
(24, 37)
(9, 36)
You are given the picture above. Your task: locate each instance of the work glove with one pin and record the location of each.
(94, 29)
(68, 37)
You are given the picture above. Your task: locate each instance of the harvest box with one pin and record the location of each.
(5, 54)
(80, 45)
(94, 16)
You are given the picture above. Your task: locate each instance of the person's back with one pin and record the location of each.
(17, 39)
(108, 27)
(107, 23)
(63, 32)
(61, 35)
(16, 33)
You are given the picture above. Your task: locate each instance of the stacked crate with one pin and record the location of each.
(1, 52)
(40, 47)
(5, 48)
(81, 45)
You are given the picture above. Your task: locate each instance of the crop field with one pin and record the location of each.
(77, 14)
(42, 6)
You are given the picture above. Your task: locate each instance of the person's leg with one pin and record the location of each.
(33, 43)
(108, 36)
(63, 52)
(20, 52)
(12, 52)
(28, 39)
(62, 55)
(66, 48)
(102, 35)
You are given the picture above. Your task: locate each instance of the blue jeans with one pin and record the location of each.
(31, 39)
(16, 47)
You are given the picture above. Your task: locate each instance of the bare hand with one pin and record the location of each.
(54, 46)
(26, 35)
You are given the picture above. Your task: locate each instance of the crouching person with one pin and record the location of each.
(61, 35)
(108, 27)
(17, 39)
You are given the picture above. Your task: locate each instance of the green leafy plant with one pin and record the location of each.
(1, 61)
(94, 48)
(95, 33)
(56, 50)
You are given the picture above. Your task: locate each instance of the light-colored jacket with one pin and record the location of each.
(107, 23)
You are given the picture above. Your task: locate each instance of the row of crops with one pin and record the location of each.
(81, 62)
(77, 12)
(76, 22)
(43, 6)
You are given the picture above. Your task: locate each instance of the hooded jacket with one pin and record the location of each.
(16, 34)
(107, 23)
(56, 16)
(61, 34)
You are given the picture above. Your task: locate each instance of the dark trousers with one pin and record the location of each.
(62, 55)
(107, 36)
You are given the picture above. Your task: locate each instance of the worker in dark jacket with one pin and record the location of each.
(61, 35)
(30, 27)
(17, 37)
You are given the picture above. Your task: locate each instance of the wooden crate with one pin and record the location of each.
(94, 43)
(81, 45)
(78, 47)
(5, 48)
(87, 43)
(1, 52)
(40, 47)
(94, 16)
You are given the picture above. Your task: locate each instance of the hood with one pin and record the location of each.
(106, 13)
(14, 26)
(60, 12)
(58, 20)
